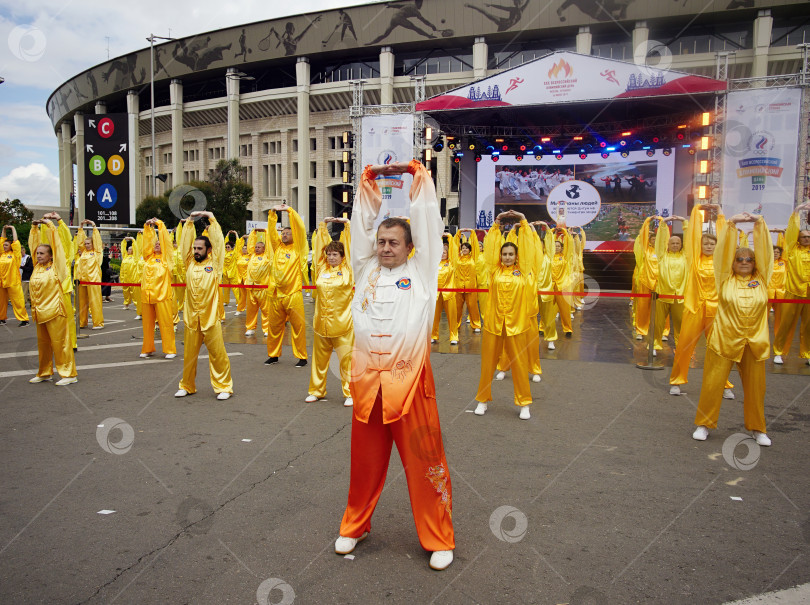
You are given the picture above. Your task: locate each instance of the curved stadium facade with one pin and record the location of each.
(276, 94)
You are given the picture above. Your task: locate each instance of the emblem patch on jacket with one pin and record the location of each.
(404, 283)
(209, 269)
(516, 273)
(753, 284)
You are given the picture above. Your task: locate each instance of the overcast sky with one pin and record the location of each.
(50, 41)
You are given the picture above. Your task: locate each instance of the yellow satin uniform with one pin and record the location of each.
(466, 277)
(545, 283)
(446, 300)
(286, 300)
(332, 324)
(129, 269)
(776, 289)
(561, 270)
(797, 285)
(49, 286)
(88, 269)
(647, 278)
(201, 311)
(230, 275)
(11, 282)
(178, 272)
(241, 270)
(672, 268)
(258, 273)
(739, 333)
(156, 289)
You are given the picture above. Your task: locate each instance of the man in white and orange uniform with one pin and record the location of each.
(289, 274)
(392, 382)
(157, 301)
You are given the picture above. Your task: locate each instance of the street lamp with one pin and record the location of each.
(234, 75)
(151, 39)
(2, 79)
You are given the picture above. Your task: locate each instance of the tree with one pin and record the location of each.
(228, 195)
(155, 207)
(14, 212)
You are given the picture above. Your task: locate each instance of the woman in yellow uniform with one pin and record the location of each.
(699, 294)
(671, 281)
(506, 323)
(89, 255)
(776, 287)
(50, 281)
(10, 279)
(446, 300)
(482, 277)
(562, 264)
(739, 333)
(241, 271)
(647, 276)
(129, 268)
(465, 278)
(332, 324)
(578, 273)
(259, 273)
(156, 288)
(230, 275)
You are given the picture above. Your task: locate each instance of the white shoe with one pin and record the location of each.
(664, 338)
(171, 355)
(145, 355)
(348, 402)
(808, 362)
(762, 439)
(175, 328)
(98, 327)
(536, 378)
(778, 359)
(674, 390)
(525, 414)
(700, 433)
(67, 381)
(551, 346)
(639, 337)
(432, 341)
(579, 308)
(477, 330)
(265, 333)
(343, 545)
(480, 409)
(181, 393)
(310, 399)
(468, 320)
(500, 375)
(453, 342)
(441, 559)
(728, 394)
(137, 317)
(37, 379)
(655, 353)
(223, 396)
(236, 313)
(572, 316)
(250, 332)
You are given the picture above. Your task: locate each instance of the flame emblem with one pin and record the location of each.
(561, 67)
(762, 142)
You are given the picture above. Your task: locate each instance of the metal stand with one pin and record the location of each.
(651, 365)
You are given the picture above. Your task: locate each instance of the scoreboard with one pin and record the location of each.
(106, 173)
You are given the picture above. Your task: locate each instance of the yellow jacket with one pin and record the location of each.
(798, 260)
(258, 270)
(88, 263)
(243, 259)
(201, 306)
(10, 264)
(335, 286)
(289, 267)
(646, 257)
(156, 283)
(545, 252)
(701, 286)
(129, 262)
(466, 266)
(562, 264)
(671, 265)
(48, 282)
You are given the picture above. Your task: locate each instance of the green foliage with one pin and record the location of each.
(14, 212)
(155, 206)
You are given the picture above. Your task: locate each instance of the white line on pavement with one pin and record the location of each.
(90, 348)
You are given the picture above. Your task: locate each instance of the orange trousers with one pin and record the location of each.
(419, 442)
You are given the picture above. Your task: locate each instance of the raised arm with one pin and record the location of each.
(320, 239)
(186, 243)
(763, 249)
(426, 222)
(367, 204)
(493, 241)
(662, 239)
(299, 232)
(273, 238)
(217, 242)
(98, 246)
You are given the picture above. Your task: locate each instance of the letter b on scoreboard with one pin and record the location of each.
(106, 170)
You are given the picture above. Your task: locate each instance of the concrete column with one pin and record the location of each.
(386, 76)
(176, 104)
(101, 107)
(78, 124)
(584, 40)
(641, 33)
(256, 165)
(65, 165)
(480, 58)
(762, 42)
(232, 86)
(134, 166)
(302, 79)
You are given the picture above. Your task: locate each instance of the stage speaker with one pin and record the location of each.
(451, 229)
(443, 207)
(452, 216)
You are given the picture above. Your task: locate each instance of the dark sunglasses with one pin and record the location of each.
(744, 259)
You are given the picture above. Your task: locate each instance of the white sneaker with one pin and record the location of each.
(453, 342)
(778, 359)
(223, 396)
(98, 327)
(655, 353)
(525, 414)
(37, 379)
(551, 346)
(343, 545)
(477, 330)
(500, 375)
(171, 355)
(181, 393)
(700, 433)
(808, 362)
(664, 338)
(468, 320)
(728, 394)
(639, 337)
(674, 390)
(441, 559)
(250, 332)
(572, 316)
(762, 439)
(432, 341)
(137, 317)
(145, 355)
(175, 328)
(67, 381)
(536, 378)
(236, 313)
(480, 409)
(579, 308)
(348, 402)
(265, 333)
(310, 399)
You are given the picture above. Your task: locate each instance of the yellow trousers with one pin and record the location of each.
(257, 300)
(790, 314)
(547, 312)
(136, 294)
(15, 293)
(667, 308)
(533, 342)
(715, 377)
(563, 306)
(241, 298)
(218, 363)
(321, 352)
(178, 300)
(71, 318)
(692, 326)
(225, 293)
(449, 307)
(53, 343)
(163, 312)
(281, 310)
(641, 317)
(90, 298)
(515, 347)
(129, 294)
(471, 298)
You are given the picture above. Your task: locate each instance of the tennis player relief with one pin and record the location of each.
(574, 203)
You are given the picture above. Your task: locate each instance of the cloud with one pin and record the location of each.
(33, 184)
